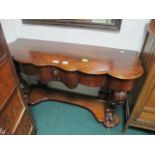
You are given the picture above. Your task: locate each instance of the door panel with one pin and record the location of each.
(14, 115)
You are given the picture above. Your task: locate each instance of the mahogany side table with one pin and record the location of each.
(113, 70)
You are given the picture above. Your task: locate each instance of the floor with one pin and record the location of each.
(56, 118)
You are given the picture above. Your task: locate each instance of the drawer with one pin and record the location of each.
(46, 74)
(7, 81)
(12, 112)
(25, 126)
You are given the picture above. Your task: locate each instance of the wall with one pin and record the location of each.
(130, 37)
(8, 29)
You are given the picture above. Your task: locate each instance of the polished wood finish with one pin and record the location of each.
(121, 64)
(73, 64)
(11, 113)
(24, 127)
(143, 113)
(12, 102)
(7, 85)
(72, 79)
(93, 104)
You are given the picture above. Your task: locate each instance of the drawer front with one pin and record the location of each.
(47, 74)
(12, 112)
(25, 126)
(7, 81)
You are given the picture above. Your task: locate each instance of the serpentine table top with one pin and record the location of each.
(122, 64)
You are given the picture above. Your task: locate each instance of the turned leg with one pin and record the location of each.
(114, 98)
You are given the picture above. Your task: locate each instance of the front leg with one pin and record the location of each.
(114, 98)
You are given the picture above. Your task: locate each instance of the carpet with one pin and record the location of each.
(56, 118)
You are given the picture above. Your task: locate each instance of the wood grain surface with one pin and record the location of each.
(122, 64)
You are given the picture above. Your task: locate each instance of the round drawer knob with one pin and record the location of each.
(55, 72)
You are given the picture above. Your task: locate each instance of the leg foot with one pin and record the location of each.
(111, 120)
(114, 98)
